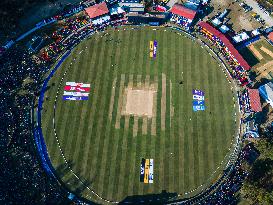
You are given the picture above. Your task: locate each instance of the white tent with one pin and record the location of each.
(266, 91)
(216, 22)
(240, 37)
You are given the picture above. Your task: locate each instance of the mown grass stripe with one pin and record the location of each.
(135, 167)
(123, 171)
(92, 73)
(186, 115)
(86, 78)
(129, 160)
(98, 50)
(105, 149)
(98, 111)
(112, 134)
(113, 167)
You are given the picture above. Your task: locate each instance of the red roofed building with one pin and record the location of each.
(182, 15)
(254, 98)
(233, 51)
(96, 11)
(237, 63)
(270, 36)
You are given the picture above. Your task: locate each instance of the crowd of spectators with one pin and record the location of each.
(21, 175)
(226, 192)
(244, 102)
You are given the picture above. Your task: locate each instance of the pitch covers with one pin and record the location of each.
(76, 91)
(147, 171)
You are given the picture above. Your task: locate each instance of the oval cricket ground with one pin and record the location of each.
(138, 107)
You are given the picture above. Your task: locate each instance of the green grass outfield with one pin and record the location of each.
(107, 159)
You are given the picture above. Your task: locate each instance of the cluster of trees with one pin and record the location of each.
(258, 187)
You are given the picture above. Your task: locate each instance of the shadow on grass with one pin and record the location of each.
(248, 56)
(161, 198)
(76, 185)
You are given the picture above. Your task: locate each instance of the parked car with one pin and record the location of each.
(247, 8)
(267, 13)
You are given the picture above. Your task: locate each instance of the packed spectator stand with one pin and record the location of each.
(237, 63)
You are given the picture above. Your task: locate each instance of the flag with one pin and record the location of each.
(198, 103)
(198, 97)
(146, 171)
(82, 85)
(76, 91)
(76, 88)
(151, 171)
(155, 48)
(76, 94)
(198, 108)
(142, 167)
(70, 97)
(198, 92)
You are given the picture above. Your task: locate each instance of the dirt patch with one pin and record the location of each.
(163, 102)
(265, 66)
(237, 18)
(268, 52)
(256, 52)
(265, 69)
(245, 23)
(222, 2)
(139, 102)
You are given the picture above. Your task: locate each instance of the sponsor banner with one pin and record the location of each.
(142, 167)
(82, 85)
(197, 102)
(198, 92)
(198, 97)
(198, 108)
(70, 97)
(151, 171)
(155, 48)
(146, 171)
(151, 45)
(76, 94)
(76, 88)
